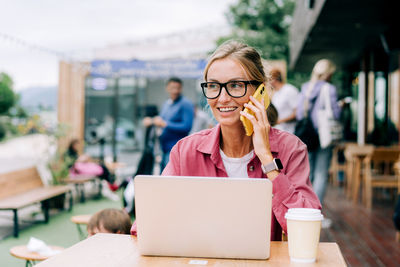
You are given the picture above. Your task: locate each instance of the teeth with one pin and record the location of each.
(226, 109)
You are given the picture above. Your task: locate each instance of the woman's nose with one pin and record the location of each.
(224, 96)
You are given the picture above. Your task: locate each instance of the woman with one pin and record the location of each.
(320, 158)
(84, 165)
(232, 76)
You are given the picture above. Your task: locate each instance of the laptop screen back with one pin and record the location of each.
(203, 216)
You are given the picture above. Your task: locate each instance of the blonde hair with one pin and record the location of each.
(245, 55)
(323, 70)
(112, 220)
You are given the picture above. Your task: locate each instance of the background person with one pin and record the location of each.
(284, 97)
(83, 163)
(175, 119)
(232, 75)
(320, 158)
(201, 121)
(109, 221)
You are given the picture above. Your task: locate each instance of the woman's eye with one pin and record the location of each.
(236, 85)
(212, 86)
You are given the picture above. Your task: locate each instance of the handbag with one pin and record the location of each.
(330, 130)
(86, 168)
(306, 132)
(304, 128)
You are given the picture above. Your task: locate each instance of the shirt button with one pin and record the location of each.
(251, 168)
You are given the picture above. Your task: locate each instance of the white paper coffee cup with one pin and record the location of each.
(304, 227)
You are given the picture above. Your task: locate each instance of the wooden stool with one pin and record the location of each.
(336, 166)
(79, 220)
(22, 252)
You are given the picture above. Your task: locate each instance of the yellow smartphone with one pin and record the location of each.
(260, 93)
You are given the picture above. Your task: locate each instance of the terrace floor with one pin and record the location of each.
(366, 237)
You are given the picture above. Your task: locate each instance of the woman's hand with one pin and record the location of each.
(261, 128)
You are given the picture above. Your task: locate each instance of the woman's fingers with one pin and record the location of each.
(256, 102)
(258, 110)
(251, 118)
(261, 107)
(257, 123)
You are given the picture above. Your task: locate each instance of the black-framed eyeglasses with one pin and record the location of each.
(212, 90)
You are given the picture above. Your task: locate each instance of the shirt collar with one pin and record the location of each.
(273, 136)
(210, 143)
(170, 101)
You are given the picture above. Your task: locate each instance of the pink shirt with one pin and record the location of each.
(198, 155)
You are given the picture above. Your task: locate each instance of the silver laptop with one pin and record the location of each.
(203, 217)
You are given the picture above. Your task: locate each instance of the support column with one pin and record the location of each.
(361, 125)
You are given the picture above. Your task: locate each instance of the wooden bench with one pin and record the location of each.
(23, 188)
(79, 183)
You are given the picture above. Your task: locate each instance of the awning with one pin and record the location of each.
(343, 31)
(182, 68)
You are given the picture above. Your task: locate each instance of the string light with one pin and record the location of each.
(79, 66)
(28, 45)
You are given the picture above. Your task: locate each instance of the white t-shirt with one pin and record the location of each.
(236, 167)
(285, 102)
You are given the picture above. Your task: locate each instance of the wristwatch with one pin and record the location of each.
(275, 165)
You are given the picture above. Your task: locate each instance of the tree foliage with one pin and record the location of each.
(263, 24)
(7, 96)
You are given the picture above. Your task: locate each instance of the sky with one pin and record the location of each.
(34, 35)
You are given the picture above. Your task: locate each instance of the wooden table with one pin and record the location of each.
(110, 250)
(22, 252)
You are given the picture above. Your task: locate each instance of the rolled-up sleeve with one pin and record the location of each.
(292, 187)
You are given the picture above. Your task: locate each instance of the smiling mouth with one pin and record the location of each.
(227, 109)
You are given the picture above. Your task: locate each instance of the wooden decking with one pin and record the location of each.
(366, 238)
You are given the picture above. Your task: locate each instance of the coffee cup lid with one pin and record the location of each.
(304, 214)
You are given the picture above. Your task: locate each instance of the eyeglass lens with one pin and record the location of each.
(234, 88)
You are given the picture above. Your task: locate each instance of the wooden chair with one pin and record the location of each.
(379, 171)
(397, 170)
(355, 161)
(336, 166)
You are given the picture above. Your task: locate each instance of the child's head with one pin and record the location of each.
(109, 221)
